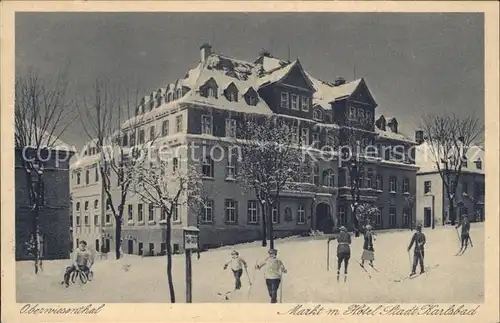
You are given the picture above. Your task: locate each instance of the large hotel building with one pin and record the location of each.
(204, 109)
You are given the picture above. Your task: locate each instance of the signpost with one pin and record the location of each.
(190, 238)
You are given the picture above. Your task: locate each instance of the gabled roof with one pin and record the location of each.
(278, 75)
(425, 159)
(327, 92)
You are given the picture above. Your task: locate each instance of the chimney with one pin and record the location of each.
(393, 125)
(339, 81)
(264, 53)
(380, 123)
(419, 136)
(205, 51)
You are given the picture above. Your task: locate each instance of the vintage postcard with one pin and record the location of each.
(249, 161)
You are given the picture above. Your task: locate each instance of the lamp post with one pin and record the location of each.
(190, 238)
(433, 216)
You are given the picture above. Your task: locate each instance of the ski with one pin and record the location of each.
(375, 269)
(366, 271)
(415, 275)
(226, 294)
(345, 278)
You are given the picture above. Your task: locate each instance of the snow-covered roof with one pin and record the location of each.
(42, 139)
(388, 134)
(327, 92)
(426, 159)
(270, 63)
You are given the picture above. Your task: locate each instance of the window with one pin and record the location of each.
(306, 173)
(141, 250)
(301, 214)
(208, 212)
(361, 116)
(368, 117)
(141, 137)
(288, 214)
(330, 140)
(305, 136)
(86, 205)
(275, 215)
(96, 204)
(230, 127)
(295, 102)
(169, 97)
(316, 175)
(295, 134)
(78, 178)
(406, 218)
(392, 184)
(162, 215)
(87, 176)
(427, 187)
(175, 164)
(406, 185)
(96, 220)
(178, 123)
(231, 165)
(132, 138)
(175, 213)
(284, 100)
(378, 219)
(151, 212)
(342, 217)
(208, 167)
(151, 248)
(352, 113)
(164, 128)
(232, 96)
(315, 138)
(329, 178)
(77, 206)
(305, 103)
(206, 125)
(252, 212)
(464, 162)
(130, 213)
(392, 217)
(140, 215)
(179, 93)
(211, 92)
(317, 114)
(96, 177)
(369, 178)
(77, 220)
(479, 164)
(231, 215)
(86, 219)
(152, 133)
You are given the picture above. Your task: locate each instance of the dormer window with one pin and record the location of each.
(352, 113)
(295, 102)
(479, 164)
(251, 97)
(318, 114)
(368, 117)
(179, 93)
(304, 103)
(284, 100)
(169, 97)
(211, 93)
(231, 93)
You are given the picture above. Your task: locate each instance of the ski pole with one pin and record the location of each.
(248, 276)
(470, 240)
(281, 290)
(409, 259)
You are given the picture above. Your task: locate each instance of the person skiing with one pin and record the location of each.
(273, 273)
(368, 251)
(237, 266)
(343, 250)
(418, 239)
(465, 224)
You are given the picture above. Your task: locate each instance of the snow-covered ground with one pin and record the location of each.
(458, 279)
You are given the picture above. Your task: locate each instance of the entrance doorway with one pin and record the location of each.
(427, 217)
(324, 219)
(130, 246)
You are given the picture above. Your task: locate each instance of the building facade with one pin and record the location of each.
(204, 110)
(54, 212)
(432, 200)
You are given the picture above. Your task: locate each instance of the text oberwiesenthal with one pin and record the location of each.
(380, 310)
(36, 309)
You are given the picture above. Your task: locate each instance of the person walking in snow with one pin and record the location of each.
(273, 273)
(237, 266)
(418, 239)
(343, 249)
(465, 224)
(368, 251)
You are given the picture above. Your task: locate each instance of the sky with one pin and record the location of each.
(415, 64)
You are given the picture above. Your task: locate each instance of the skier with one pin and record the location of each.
(343, 250)
(465, 224)
(368, 251)
(237, 265)
(418, 254)
(274, 271)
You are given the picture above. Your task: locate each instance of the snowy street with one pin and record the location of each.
(458, 279)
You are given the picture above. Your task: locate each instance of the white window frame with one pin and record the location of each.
(252, 212)
(406, 185)
(140, 213)
(230, 127)
(361, 116)
(295, 102)
(301, 214)
(284, 100)
(178, 123)
(392, 184)
(352, 113)
(207, 126)
(342, 215)
(230, 166)
(315, 139)
(151, 212)
(211, 92)
(208, 212)
(176, 213)
(316, 175)
(318, 114)
(406, 217)
(165, 128)
(392, 217)
(208, 162)
(429, 189)
(295, 134)
(378, 218)
(368, 117)
(230, 211)
(304, 103)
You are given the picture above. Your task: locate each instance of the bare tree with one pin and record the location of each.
(104, 115)
(410, 203)
(269, 156)
(449, 139)
(367, 212)
(168, 187)
(42, 115)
